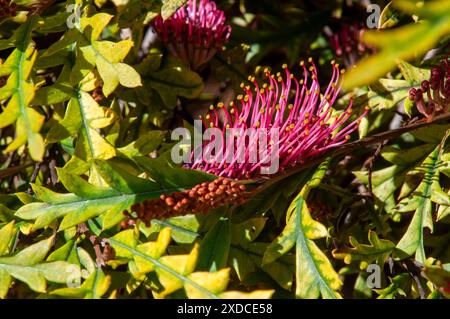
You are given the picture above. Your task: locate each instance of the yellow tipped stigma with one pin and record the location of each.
(311, 68)
(347, 137)
(242, 85)
(246, 98)
(249, 78)
(302, 63)
(266, 70)
(220, 105)
(248, 87)
(316, 92)
(272, 142)
(211, 107)
(307, 114)
(227, 126)
(367, 108)
(257, 124)
(301, 81)
(262, 111)
(349, 111)
(291, 76)
(265, 85)
(290, 106)
(231, 103)
(211, 124)
(284, 66)
(208, 116)
(278, 107)
(306, 121)
(292, 126)
(342, 71)
(308, 92)
(232, 111)
(240, 97)
(333, 62)
(337, 65)
(262, 91)
(283, 97)
(278, 74)
(333, 85)
(310, 59)
(280, 79)
(307, 132)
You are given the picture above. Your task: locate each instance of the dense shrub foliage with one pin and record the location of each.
(94, 204)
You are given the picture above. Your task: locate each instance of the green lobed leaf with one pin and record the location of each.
(429, 191)
(315, 275)
(19, 91)
(28, 267)
(378, 251)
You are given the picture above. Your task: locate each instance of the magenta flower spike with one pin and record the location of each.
(436, 90)
(348, 44)
(304, 118)
(195, 32)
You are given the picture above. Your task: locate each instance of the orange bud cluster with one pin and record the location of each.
(98, 95)
(197, 200)
(7, 9)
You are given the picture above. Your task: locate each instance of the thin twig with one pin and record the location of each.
(415, 271)
(370, 166)
(34, 175)
(13, 170)
(96, 243)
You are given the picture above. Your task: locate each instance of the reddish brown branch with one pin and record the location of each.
(351, 147)
(13, 170)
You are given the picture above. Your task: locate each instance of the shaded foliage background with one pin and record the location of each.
(85, 121)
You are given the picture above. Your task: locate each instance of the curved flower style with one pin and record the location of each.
(437, 90)
(302, 118)
(195, 32)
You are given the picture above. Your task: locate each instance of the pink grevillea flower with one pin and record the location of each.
(436, 90)
(302, 118)
(347, 43)
(7, 9)
(195, 32)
